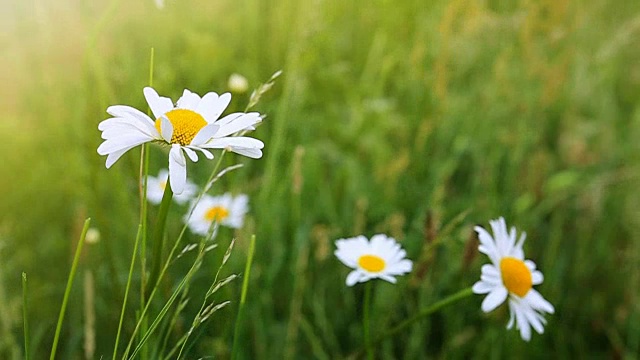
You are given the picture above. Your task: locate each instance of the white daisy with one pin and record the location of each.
(192, 124)
(381, 258)
(157, 185)
(511, 276)
(225, 209)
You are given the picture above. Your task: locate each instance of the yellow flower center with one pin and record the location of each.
(186, 124)
(163, 185)
(516, 276)
(216, 213)
(371, 263)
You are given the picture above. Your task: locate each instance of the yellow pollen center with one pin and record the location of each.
(371, 263)
(216, 213)
(163, 185)
(186, 124)
(516, 276)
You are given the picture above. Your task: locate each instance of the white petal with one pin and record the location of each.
(250, 153)
(482, 287)
(207, 153)
(114, 156)
(177, 169)
(239, 123)
(159, 105)
(537, 278)
(212, 106)
(188, 100)
(388, 278)
(167, 129)
(495, 298)
(537, 302)
(205, 134)
(191, 154)
(124, 111)
(523, 324)
(353, 278)
(242, 142)
(124, 142)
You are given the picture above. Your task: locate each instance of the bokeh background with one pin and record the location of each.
(419, 119)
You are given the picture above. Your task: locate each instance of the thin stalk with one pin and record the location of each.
(144, 175)
(25, 318)
(366, 320)
(158, 236)
(243, 297)
(464, 293)
(170, 257)
(67, 290)
(126, 291)
(196, 265)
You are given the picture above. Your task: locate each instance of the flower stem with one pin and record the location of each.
(158, 237)
(67, 291)
(24, 316)
(366, 319)
(243, 297)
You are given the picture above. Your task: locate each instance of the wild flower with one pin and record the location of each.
(510, 276)
(227, 210)
(191, 125)
(382, 258)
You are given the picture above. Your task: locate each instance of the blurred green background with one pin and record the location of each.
(415, 118)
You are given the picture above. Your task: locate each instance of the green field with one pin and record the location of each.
(419, 119)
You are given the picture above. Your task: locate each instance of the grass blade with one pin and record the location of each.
(67, 291)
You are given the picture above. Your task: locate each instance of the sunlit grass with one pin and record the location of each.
(385, 115)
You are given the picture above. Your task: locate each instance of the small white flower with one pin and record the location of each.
(381, 258)
(189, 126)
(511, 276)
(238, 83)
(157, 185)
(225, 209)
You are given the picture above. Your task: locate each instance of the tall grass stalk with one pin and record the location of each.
(243, 297)
(205, 312)
(144, 174)
(67, 290)
(25, 317)
(212, 178)
(366, 320)
(158, 236)
(126, 291)
(185, 280)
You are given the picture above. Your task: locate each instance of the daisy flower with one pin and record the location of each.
(190, 125)
(382, 257)
(226, 210)
(510, 276)
(157, 185)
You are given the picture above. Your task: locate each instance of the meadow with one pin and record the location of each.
(417, 119)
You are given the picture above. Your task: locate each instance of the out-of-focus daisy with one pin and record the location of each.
(157, 185)
(189, 126)
(510, 276)
(238, 84)
(382, 257)
(227, 210)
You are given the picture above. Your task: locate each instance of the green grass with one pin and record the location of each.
(417, 119)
